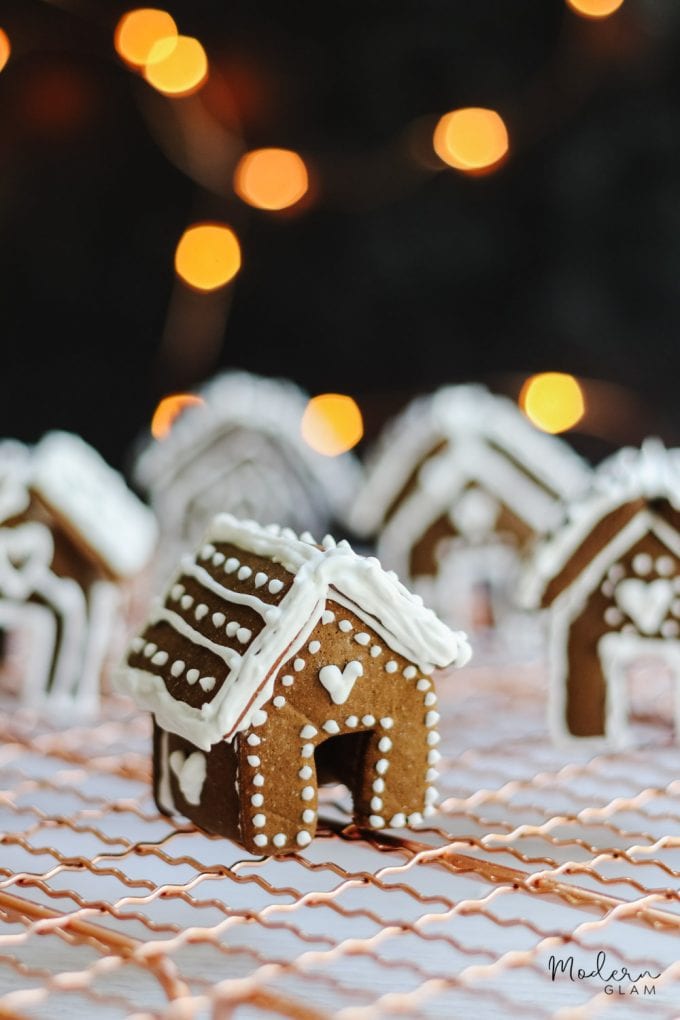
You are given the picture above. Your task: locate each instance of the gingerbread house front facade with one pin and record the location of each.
(458, 489)
(610, 580)
(274, 664)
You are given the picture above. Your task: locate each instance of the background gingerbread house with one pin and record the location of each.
(274, 664)
(610, 578)
(457, 490)
(74, 542)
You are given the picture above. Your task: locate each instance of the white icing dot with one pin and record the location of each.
(665, 565)
(298, 665)
(429, 810)
(253, 739)
(260, 839)
(314, 647)
(642, 563)
(192, 675)
(254, 761)
(244, 573)
(410, 672)
(607, 589)
(307, 750)
(243, 635)
(351, 721)
(207, 551)
(159, 658)
(275, 586)
(177, 667)
(257, 800)
(279, 701)
(616, 572)
(430, 795)
(218, 619)
(218, 559)
(330, 726)
(149, 649)
(415, 819)
(279, 839)
(430, 699)
(375, 651)
(272, 614)
(258, 779)
(345, 626)
(232, 627)
(201, 610)
(377, 822)
(433, 738)
(307, 793)
(427, 669)
(423, 684)
(613, 616)
(368, 720)
(327, 616)
(391, 666)
(303, 838)
(431, 718)
(308, 815)
(260, 578)
(207, 682)
(176, 592)
(259, 821)
(231, 565)
(305, 772)
(431, 775)
(384, 745)
(306, 536)
(433, 756)
(398, 820)
(259, 717)
(381, 766)
(186, 602)
(287, 680)
(328, 542)
(376, 803)
(137, 644)
(378, 785)
(362, 638)
(308, 731)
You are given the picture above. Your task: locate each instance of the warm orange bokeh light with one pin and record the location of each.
(169, 409)
(5, 48)
(472, 139)
(138, 31)
(208, 256)
(553, 401)
(332, 424)
(271, 178)
(595, 8)
(177, 67)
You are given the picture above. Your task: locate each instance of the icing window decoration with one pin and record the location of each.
(457, 490)
(74, 545)
(608, 578)
(300, 698)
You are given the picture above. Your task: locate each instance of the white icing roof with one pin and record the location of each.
(464, 415)
(271, 407)
(651, 472)
(72, 478)
(335, 572)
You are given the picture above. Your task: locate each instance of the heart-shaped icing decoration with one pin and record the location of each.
(645, 602)
(190, 774)
(339, 683)
(25, 554)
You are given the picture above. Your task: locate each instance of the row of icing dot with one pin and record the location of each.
(179, 594)
(233, 565)
(158, 657)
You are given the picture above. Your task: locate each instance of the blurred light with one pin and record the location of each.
(271, 178)
(472, 139)
(208, 256)
(177, 67)
(169, 409)
(594, 8)
(138, 31)
(332, 424)
(5, 48)
(553, 401)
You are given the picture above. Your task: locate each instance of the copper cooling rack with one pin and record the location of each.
(108, 909)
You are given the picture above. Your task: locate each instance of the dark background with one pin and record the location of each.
(395, 275)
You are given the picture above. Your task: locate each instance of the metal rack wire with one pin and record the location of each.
(536, 852)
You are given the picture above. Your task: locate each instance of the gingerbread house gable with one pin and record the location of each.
(208, 660)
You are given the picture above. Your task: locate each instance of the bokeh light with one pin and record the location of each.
(332, 424)
(208, 256)
(271, 178)
(472, 139)
(139, 30)
(5, 48)
(595, 8)
(177, 67)
(553, 401)
(169, 409)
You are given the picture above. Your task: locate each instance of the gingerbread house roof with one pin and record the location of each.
(252, 406)
(285, 612)
(87, 496)
(467, 433)
(635, 489)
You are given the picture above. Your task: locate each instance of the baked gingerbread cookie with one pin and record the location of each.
(609, 579)
(274, 664)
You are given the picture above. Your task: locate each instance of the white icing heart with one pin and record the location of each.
(645, 602)
(339, 683)
(190, 774)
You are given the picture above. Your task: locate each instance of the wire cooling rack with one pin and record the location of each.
(539, 860)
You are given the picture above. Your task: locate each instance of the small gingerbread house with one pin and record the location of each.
(610, 579)
(457, 490)
(274, 664)
(240, 450)
(73, 542)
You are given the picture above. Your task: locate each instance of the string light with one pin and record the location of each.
(169, 409)
(138, 31)
(553, 401)
(594, 8)
(271, 178)
(472, 139)
(177, 66)
(332, 424)
(5, 48)
(208, 256)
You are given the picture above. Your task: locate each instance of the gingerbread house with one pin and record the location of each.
(241, 451)
(74, 540)
(273, 665)
(610, 579)
(457, 490)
